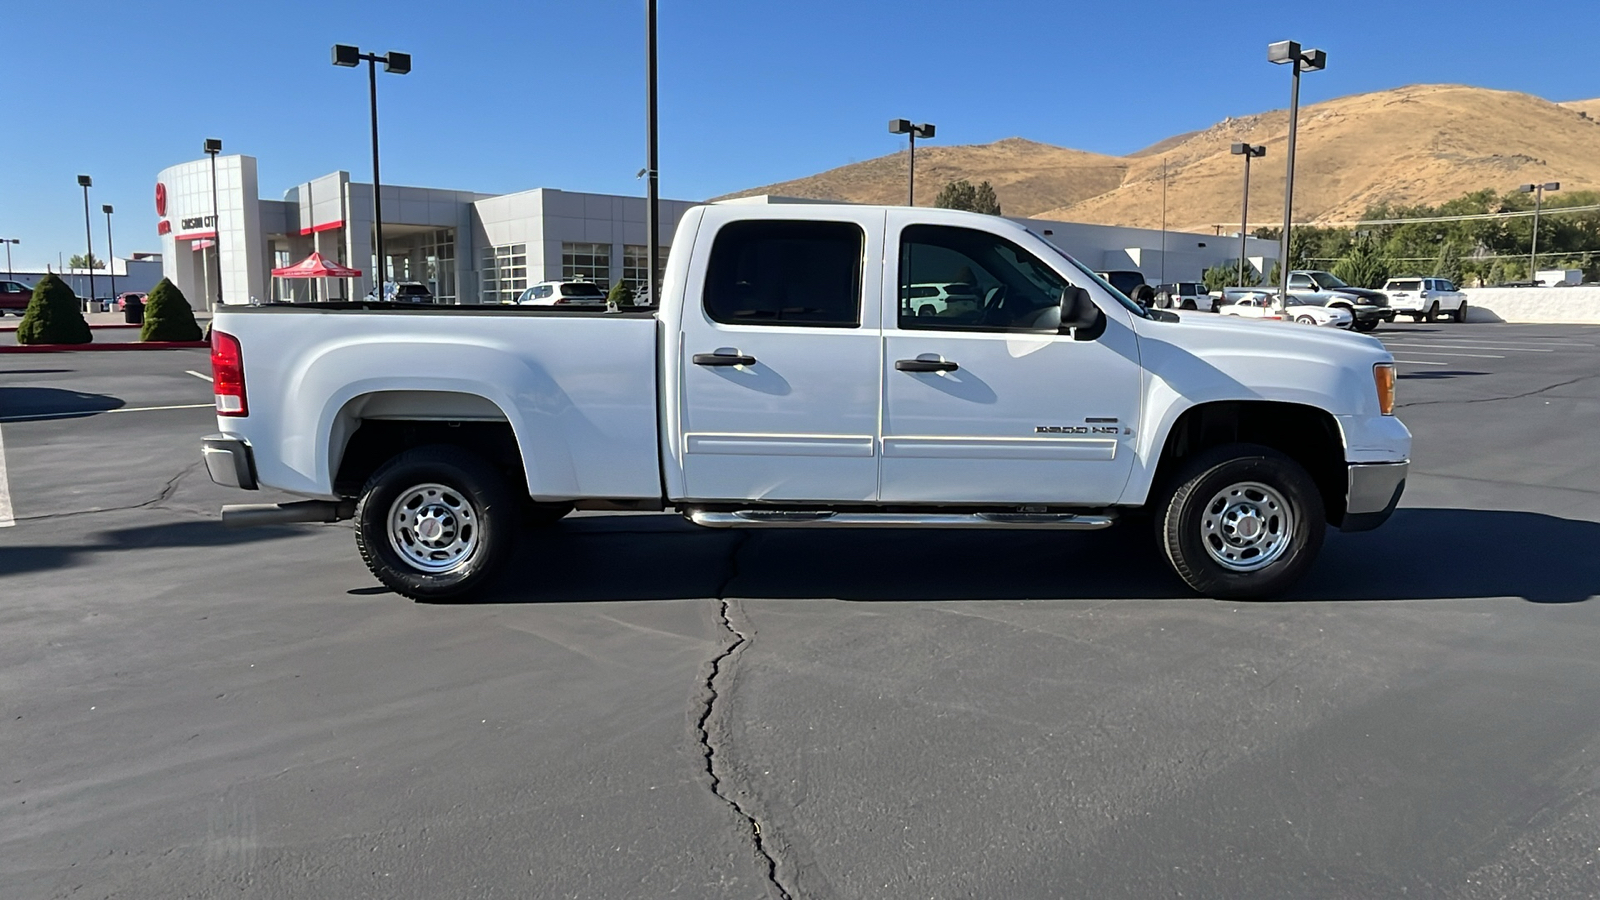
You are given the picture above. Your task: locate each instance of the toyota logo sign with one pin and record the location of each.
(161, 199)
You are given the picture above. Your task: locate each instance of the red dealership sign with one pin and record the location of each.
(161, 199)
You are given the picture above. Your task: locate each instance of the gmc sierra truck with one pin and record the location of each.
(789, 380)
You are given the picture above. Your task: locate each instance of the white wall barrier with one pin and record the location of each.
(1556, 305)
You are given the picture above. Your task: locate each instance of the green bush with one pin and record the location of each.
(53, 316)
(167, 316)
(620, 296)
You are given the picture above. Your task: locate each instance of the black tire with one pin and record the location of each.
(475, 499)
(1432, 315)
(1188, 304)
(1369, 325)
(1461, 313)
(1295, 516)
(1305, 320)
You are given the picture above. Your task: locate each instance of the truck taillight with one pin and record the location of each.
(227, 374)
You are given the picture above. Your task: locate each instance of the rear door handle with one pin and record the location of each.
(925, 365)
(722, 358)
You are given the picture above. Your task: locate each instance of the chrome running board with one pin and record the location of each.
(785, 518)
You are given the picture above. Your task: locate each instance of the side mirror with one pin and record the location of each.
(1080, 317)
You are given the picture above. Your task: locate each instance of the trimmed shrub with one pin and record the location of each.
(620, 296)
(53, 316)
(167, 316)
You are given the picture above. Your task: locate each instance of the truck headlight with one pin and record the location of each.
(1383, 379)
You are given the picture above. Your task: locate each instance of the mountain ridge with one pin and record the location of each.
(1419, 144)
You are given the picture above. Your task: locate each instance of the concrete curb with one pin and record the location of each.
(131, 345)
(5, 328)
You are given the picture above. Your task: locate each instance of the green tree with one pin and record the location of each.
(53, 316)
(984, 199)
(1448, 265)
(1218, 277)
(621, 295)
(962, 194)
(78, 262)
(1364, 266)
(167, 315)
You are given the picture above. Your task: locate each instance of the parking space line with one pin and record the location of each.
(99, 412)
(6, 518)
(1452, 353)
(200, 375)
(1420, 362)
(1473, 347)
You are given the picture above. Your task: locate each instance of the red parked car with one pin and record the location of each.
(14, 297)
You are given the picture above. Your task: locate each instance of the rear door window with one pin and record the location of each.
(1410, 285)
(582, 290)
(786, 273)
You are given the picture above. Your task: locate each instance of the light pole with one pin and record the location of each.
(213, 146)
(111, 252)
(8, 242)
(653, 184)
(399, 64)
(922, 130)
(1249, 152)
(1537, 190)
(86, 182)
(1303, 61)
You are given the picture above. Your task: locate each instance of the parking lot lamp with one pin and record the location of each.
(913, 131)
(1537, 190)
(86, 182)
(8, 242)
(652, 213)
(398, 64)
(111, 252)
(1301, 61)
(213, 146)
(1249, 152)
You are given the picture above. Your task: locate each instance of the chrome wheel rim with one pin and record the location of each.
(434, 528)
(1247, 526)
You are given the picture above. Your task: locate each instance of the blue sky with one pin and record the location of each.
(515, 95)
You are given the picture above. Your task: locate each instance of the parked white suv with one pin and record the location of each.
(563, 293)
(1424, 298)
(953, 298)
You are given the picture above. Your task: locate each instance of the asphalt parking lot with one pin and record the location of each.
(643, 709)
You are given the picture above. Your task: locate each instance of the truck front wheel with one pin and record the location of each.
(435, 522)
(1243, 521)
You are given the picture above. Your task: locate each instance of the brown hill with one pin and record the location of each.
(1418, 144)
(1026, 175)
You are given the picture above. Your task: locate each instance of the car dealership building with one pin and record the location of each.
(470, 247)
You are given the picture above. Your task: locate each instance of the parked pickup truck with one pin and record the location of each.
(788, 380)
(1369, 308)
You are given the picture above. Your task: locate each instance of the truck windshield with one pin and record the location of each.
(1078, 267)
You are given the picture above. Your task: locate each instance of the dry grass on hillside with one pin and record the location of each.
(1418, 144)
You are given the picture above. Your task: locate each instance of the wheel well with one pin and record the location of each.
(376, 441)
(1307, 435)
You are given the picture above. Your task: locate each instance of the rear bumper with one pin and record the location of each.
(1373, 491)
(229, 461)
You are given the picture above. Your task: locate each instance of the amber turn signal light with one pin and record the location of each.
(1383, 377)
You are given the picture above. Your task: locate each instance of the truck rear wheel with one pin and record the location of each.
(435, 522)
(1243, 521)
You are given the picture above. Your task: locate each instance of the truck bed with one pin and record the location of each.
(578, 388)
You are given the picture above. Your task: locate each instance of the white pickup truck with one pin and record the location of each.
(788, 381)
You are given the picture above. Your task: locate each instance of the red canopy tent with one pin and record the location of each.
(314, 266)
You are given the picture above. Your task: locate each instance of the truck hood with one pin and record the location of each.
(1203, 332)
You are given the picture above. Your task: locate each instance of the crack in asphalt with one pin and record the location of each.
(702, 730)
(165, 494)
(1534, 393)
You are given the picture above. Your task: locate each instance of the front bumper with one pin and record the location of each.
(229, 461)
(1373, 491)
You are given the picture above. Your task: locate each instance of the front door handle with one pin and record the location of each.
(724, 358)
(925, 365)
